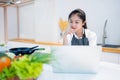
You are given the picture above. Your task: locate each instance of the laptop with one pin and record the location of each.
(76, 59)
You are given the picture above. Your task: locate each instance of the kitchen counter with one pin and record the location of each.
(104, 49)
(112, 50)
(36, 42)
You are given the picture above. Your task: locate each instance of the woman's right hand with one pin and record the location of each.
(68, 32)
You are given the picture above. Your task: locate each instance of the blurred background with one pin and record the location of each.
(38, 20)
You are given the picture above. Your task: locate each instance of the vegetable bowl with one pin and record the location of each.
(25, 67)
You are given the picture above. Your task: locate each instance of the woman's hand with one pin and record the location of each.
(68, 32)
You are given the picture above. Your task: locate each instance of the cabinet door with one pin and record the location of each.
(119, 58)
(110, 57)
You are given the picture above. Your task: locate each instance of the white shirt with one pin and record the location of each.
(92, 37)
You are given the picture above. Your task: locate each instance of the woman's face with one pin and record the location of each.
(75, 23)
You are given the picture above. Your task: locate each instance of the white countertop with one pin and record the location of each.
(107, 71)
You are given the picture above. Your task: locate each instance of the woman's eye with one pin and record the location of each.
(76, 22)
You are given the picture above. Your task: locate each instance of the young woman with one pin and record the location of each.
(78, 34)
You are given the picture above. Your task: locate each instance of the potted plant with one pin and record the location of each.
(26, 67)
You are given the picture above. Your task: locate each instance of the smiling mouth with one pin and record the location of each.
(73, 28)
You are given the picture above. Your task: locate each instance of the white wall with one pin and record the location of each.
(48, 12)
(1, 25)
(27, 20)
(97, 12)
(12, 22)
(45, 21)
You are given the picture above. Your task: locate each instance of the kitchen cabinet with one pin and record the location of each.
(119, 59)
(110, 57)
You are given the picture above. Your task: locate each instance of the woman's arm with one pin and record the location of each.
(92, 37)
(65, 40)
(93, 40)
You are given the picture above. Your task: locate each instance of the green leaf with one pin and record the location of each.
(42, 57)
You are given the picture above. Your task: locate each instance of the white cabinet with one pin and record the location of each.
(119, 59)
(110, 57)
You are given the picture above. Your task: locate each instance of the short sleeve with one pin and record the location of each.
(92, 37)
(69, 38)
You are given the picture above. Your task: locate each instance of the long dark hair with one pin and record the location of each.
(81, 14)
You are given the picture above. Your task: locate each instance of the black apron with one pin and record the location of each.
(83, 41)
